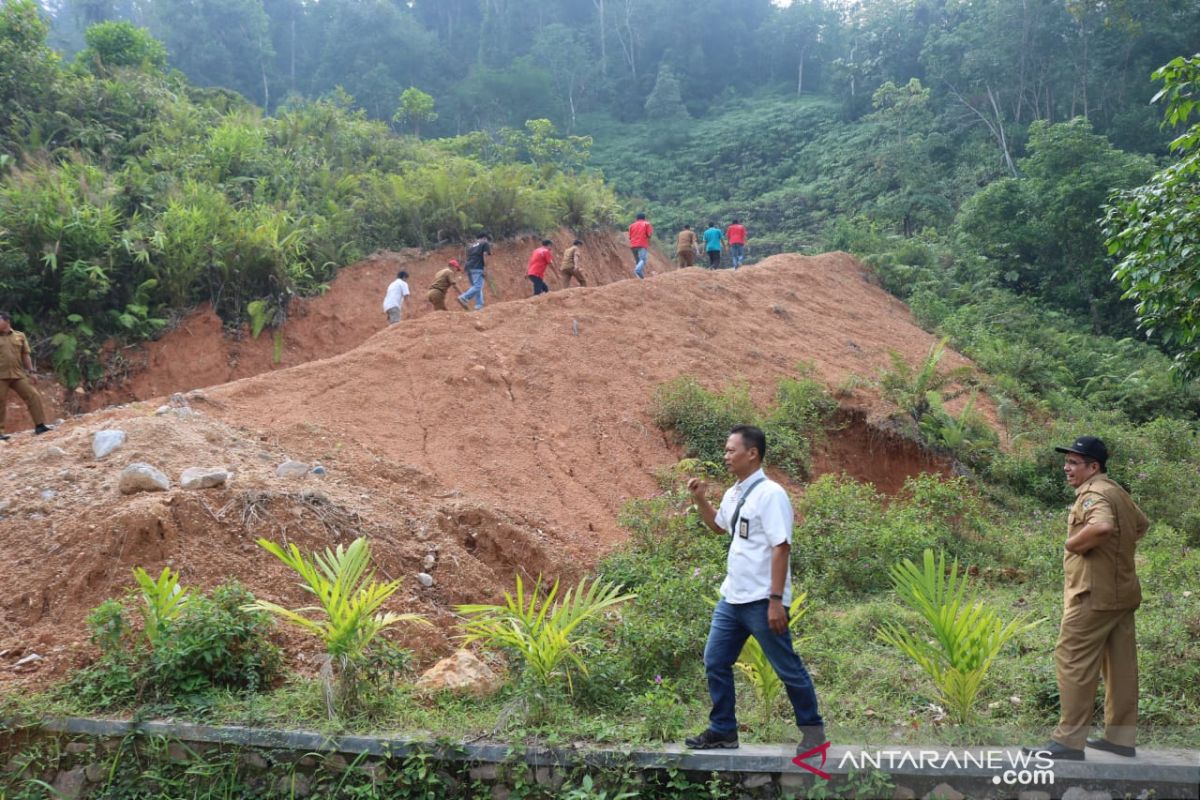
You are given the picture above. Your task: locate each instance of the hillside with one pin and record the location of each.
(467, 447)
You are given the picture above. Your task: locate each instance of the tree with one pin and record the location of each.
(665, 100)
(28, 68)
(121, 44)
(1155, 228)
(1039, 234)
(566, 55)
(416, 109)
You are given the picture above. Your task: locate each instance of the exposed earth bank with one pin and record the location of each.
(469, 447)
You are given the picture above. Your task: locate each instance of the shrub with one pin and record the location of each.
(188, 647)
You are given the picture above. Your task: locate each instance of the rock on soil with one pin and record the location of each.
(104, 442)
(292, 469)
(462, 673)
(141, 477)
(203, 477)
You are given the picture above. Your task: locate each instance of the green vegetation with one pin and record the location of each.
(700, 420)
(350, 600)
(544, 632)
(191, 646)
(967, 635)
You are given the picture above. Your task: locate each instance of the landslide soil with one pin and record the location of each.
(495, 442)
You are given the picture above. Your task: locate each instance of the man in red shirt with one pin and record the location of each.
(538, 262)
(639, 242)
(736, 234)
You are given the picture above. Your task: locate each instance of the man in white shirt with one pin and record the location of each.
(757, 514)
(393, 301)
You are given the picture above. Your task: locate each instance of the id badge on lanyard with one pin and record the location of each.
(742, 526)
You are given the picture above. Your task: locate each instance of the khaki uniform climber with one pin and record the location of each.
(571, 267)
(441, 284)
(16, 373)
(685, 247)
(1100, 595)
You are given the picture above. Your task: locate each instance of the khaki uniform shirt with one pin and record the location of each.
(1107, 570)
(13, 349)
(570, 259)
(686, 240)
(443, 280)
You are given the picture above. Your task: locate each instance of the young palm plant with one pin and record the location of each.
(754, 665)
(967, 635)
(348, 616)
(164, 600)
(544, 631)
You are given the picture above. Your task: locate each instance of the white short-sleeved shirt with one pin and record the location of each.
(766, 521)
(396, 292)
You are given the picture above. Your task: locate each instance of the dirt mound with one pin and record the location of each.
(200, 351)
(500, 441)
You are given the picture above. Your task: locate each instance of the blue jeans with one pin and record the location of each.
(539, 285)
(639, 268)
(476, 290)
(732, 624)
(738, 251)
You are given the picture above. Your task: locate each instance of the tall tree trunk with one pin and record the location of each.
(800, 72)
(599, 4)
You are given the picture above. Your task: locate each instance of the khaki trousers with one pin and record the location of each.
(1094, 644)
(438, 299)
(24, 390)
(685, 258)
(573, 272)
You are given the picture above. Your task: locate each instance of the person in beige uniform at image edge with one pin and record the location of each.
(1100, 595)
(16, 373)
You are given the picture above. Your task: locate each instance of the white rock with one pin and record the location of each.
(53, 453)
(141, 477)
(429, 562)
(104, 442)
(292, 469)
(203, 477)
(48, 494)
(158, 412)
(425, 579)
(32, 658)
(462, 673)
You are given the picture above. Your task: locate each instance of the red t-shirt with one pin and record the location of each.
(736, 234)
(640, 233)
(538, 262)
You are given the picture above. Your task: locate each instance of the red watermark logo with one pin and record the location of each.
(799, 760)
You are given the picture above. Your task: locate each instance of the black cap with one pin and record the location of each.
(1088, 447)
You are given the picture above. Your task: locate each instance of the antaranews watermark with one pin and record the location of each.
(1010, 767)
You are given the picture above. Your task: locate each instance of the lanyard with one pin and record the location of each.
(737, 512)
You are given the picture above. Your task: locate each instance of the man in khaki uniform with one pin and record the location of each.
(441, 284)
(685, 247)
(16, 373)
(1101, 593)
(571, 267)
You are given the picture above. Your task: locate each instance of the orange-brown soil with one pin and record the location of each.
(499, 442)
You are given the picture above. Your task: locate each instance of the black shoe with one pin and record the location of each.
(1109, 747)
(1056, 751)
(711, 740)
(812, 736)
(4, 437)
(43, 428)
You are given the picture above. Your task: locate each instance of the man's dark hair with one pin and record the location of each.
(641, 215)
(687, 227)
(752, 436)
(547, 242)
(402, 275)
(735, 222)
(485, 235)
(577, 242)
(712, 224)
(4, 315)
